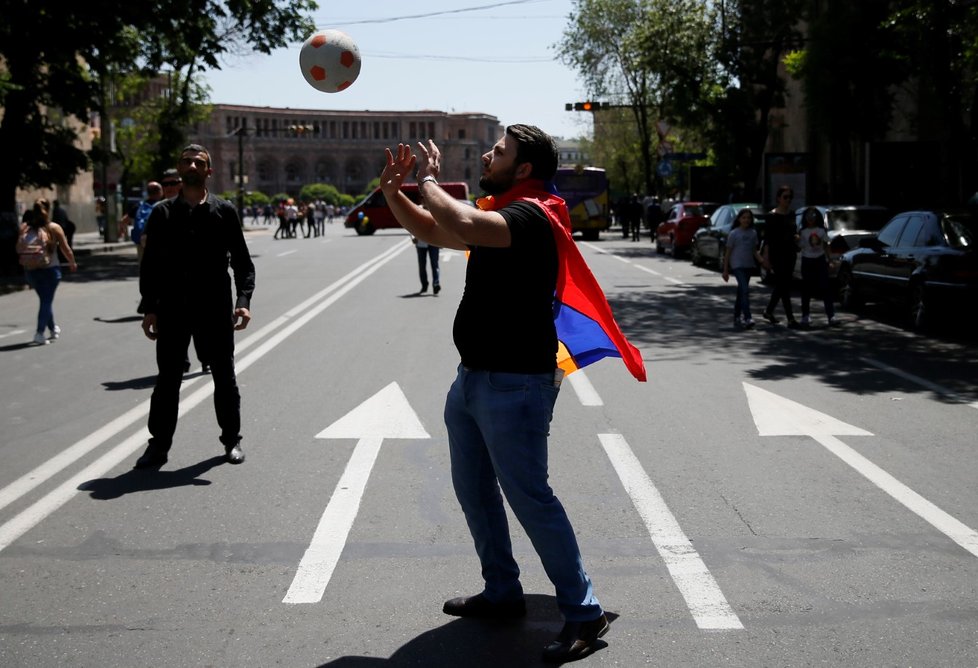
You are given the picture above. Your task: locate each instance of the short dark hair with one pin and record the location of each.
(536, 147)
(197, 148)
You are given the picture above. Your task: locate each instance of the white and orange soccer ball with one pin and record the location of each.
(330, 61)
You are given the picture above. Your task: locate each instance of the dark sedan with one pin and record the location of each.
(710, 242)
(924, 261)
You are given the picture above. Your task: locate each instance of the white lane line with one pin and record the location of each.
(69, 455)
(586, 394)
(32, 515)
(674, 281)
(706, 602)
(288, 252)
(957, 531)
(933, 387)
(646, 269)
(13, 333)
(330, 536)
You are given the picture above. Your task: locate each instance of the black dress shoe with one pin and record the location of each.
(576, 640)
(234, 455)
(153, 458)
(767, 315)
(480, 606)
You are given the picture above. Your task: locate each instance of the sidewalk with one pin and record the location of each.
(89, 244)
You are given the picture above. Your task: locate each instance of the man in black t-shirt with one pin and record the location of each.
(499, 408)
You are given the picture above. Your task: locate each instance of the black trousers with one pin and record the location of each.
(781, 285)
(213, 335)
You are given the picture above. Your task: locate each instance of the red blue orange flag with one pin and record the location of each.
(586, 327)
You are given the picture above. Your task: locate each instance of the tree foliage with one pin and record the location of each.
(602, 44)
(66, 60)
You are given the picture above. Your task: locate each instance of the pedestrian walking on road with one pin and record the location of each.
(740, 258)
(780, 253)
(428, 253)
(499, 408)
(815, 260)
(186, 294)
(38, 244)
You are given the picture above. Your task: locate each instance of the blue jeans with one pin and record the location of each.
(498, 424)
(742, 305)
(44, 282)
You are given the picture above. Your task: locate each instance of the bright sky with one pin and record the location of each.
(472, 56)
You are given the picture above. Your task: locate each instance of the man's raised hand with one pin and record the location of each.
(398, 167)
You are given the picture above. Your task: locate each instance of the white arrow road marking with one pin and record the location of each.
(776, 416)
(706, 602)
(277, 331)
(387, 414)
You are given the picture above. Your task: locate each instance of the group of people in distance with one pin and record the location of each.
(778, 254)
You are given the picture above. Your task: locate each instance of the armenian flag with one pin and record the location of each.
(586, 327)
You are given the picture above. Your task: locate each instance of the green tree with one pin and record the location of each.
(324, 191)
(197, 35)
(939, 40)
(650, 55)
(66, 61)
(754, 37)
(600, 44)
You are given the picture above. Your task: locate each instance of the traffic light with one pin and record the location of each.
(585, 106)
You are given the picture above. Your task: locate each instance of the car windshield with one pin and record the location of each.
(699, 209)
(871, 220)
(961, 231)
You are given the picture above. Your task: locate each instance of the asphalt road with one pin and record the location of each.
(768, 498)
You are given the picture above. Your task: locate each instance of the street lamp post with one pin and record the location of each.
(241, 132)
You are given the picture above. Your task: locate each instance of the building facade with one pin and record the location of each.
(279, 150)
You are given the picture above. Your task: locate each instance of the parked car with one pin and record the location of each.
(846, 226)
(710, 242)
(924, 261)
(675, 233)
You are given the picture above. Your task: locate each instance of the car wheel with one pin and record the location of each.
(919, 316)
(365, 229)
(694, 254)
(658, 246)
(590, 235)
(848, 295)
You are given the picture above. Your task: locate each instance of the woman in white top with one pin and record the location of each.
(815, 259)
(40, 239)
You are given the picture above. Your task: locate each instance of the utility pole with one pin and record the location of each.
(241, 132)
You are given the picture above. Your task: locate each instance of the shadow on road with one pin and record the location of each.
(131, 384)
(112, 321)
(688, 324)
(477, 643)
(131, 481)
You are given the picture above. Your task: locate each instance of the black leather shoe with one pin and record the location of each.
(153, 458)
(576, 640)
(235, 455)
(480, 606)
(770, 317)
(437, 288)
